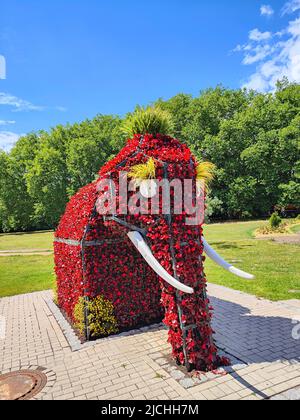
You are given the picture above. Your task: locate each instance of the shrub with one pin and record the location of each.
(101, 317)
(102, 321)
(275, 221)
(275, 225)
(78, 315)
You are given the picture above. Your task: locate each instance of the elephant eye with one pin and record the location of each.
(148, 188)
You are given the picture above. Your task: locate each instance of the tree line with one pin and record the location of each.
(252, 138)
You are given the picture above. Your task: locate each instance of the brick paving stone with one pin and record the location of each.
(258, 333)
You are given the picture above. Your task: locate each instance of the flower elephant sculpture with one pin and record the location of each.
(145, 265)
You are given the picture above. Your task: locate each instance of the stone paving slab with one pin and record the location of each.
(256, 332)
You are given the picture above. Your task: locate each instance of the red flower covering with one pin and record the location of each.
(104, 262)
(78, 212)
(69, 276)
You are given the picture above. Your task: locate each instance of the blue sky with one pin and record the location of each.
(67, 60)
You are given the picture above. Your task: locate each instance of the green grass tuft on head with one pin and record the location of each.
(151, 120)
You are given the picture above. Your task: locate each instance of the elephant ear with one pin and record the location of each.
(143, 171)
(205, 172)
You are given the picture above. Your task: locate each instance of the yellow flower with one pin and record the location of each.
(143, 171)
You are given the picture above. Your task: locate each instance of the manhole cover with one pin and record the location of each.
(21, 385)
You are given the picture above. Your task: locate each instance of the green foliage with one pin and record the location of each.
(178, 107)
(275, 221)
(43, 169)
(16, 205)
(214, 206)
(290, 194)
(151, 120)
(101, 319)
(79, 316)
(47, 185)
(253, 140)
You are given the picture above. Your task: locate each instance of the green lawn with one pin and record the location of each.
(25, 274)
(232, 231)
(295, 229)
(276, 266)
(32, 240)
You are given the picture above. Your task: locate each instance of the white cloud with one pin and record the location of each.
(8, 139)
(257, 82)
(290, 7)
(256, 54)
(266, 10)
(2, 67)
(256, 35)
(275, 55)
(17, 103)
(4, 122)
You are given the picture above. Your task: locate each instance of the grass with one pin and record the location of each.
(31, 240)
(232, 231)
(28, 274)
(276, 266)
(295, 229)
(287, 227)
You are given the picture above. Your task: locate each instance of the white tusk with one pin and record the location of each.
(140, 244)
(211, 253)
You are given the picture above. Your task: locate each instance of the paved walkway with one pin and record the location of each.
(259, 333)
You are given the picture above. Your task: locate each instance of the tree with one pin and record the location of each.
(252, 138)
(178, 107)
(16, 206)
(91, 144)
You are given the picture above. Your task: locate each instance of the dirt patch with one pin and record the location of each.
(281, 239)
